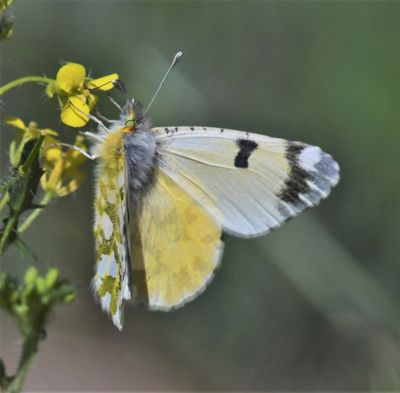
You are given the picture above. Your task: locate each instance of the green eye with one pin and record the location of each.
(130, 123)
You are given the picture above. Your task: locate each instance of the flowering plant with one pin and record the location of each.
(42, 169)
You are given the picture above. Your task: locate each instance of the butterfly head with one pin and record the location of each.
(131, 116)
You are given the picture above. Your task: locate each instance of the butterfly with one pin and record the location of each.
(165, 195)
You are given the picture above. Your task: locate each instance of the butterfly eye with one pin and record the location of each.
(130, 124)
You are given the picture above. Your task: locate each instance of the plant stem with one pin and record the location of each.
(28, 221)
(29, 350)
(4, 200)
(21, 81)
(7, 233)
(29, 174)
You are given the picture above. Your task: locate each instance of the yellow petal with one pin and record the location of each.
(49, 140)
(104, 83)
(47, 131)
(51, 89)
(72, 114)
(33, 130)
(54, 178)
(92, 101)
(53, 154)
(71, 186)
(15, 122)
(43, 182)
(80, 142)
(70, 76)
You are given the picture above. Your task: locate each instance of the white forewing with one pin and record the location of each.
(250, 183)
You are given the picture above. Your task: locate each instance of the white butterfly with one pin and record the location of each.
(165, 195)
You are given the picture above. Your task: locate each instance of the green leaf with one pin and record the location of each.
(70, 297)
(41, 285)
(31, 275)
(51, 277)
(25, 249)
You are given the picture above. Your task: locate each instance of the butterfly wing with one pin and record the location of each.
(249, 183)
(175, 246)
(111, 283)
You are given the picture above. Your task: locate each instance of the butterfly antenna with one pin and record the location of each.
(175, 61)
(121, 87)
(115, 103)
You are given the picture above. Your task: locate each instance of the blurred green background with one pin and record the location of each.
(314, 305)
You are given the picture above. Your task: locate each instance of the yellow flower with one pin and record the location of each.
(74, 92)
(62, 169)
(24, 134)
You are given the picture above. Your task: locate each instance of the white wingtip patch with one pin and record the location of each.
(309, 157)
(314, 160)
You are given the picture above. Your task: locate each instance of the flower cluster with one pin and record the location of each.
(31, 302)
(37, 156)
(42, 168)
(62, 170)
(75, 92)
(24, 134)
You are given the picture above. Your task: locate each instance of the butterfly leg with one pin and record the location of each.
(77, 148)
(91, 117)
(91, 135)
(102, 117)
(115, 103)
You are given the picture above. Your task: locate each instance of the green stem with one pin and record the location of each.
(7, 233)
(28, 221)
(29, 351)
(30, 173)
(4, 200)
(21, 81)
(27, 165)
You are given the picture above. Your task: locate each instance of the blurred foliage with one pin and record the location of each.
(32, 160)
(30, 304)
(6, 19)
(36, 157)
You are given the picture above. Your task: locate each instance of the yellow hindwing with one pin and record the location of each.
(175, 247)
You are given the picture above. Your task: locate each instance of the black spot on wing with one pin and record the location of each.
(246, 147)
(296, 182)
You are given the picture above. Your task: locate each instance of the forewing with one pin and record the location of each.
(175, 246)
(250, 183)
(111, 283)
